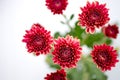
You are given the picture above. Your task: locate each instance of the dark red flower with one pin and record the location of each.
(111, 31)
(57, 6)
(67, 51)
(38, 40)
(59, 75)
(94, 15)
(104, 56)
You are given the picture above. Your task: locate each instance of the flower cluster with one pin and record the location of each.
(94, 15)
(58, 75)
(104, 56)
(57, 6)
(111, 31)
(38, 40)
(67, 51)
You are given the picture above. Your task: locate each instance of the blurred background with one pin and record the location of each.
(16, 16)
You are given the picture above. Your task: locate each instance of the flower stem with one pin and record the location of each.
(67, 22)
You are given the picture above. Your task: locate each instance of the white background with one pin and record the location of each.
(18, 15)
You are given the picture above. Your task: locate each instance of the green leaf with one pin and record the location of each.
(62, 22)
(72, 16)
(57, 34)
(86, 70)
(97, 38)
(94, 72)
(108, 41)
(51, 63)
(76, 31)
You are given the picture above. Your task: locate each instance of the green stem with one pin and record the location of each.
(67, 22)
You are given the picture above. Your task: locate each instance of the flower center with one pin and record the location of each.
(57, 77)
(104, 56)
(66, 52)
(94, 15)
(39, 40)
(57, 3)
(111, 31)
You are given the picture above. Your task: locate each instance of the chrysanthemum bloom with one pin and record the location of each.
(111, 31)
(59, 75)
(57, 6)
(94, 15)
(38, 40)
(67, 51)
(104, 56)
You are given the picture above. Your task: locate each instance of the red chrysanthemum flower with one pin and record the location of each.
(104, 56)
(67, 52)
(59, 75)
(111, 31)
(93, 16)
(38, 40)
(57, 6)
